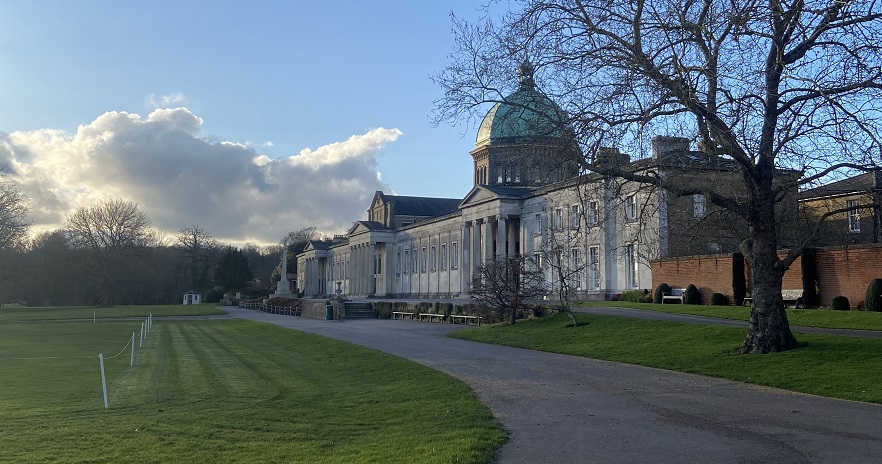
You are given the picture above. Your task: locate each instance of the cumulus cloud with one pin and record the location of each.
(180, 178)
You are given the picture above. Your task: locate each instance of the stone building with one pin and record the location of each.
(854, 226)
(529, 197)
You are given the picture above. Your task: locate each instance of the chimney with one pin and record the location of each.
(664, 145)
(611, 157)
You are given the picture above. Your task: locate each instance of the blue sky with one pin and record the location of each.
(260, 113)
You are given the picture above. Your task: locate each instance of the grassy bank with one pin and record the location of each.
(857, 320)
(24, 313)
(227, 391)
(839, 367)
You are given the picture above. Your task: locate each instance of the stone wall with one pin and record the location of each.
(843, 271)
(315, 309)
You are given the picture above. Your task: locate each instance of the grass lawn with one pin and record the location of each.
(226, 391)
(839, 367)
(858, 320)
(24, 313)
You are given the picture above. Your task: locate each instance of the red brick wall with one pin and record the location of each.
(841, 271)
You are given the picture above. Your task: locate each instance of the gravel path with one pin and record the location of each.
(565, 409)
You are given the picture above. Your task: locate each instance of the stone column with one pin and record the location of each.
(464, 262)
(372, 281)
(475, 251)
(501, 236)
(488, 238)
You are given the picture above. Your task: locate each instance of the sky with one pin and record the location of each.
(248, 119)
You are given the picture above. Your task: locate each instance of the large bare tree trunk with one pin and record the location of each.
(769, 330)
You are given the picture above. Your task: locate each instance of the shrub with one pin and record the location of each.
(718, 299)
(840, 303)
(384, 309)
(647, 297)
(213, 296)
(661, 289)
(739, 283)
(634, 296)
(692, 296)
(873, 298)
(809, 279)
(539, 311)
(615, 297)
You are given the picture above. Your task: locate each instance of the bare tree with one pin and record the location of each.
(507, 284)
(14, 221)
(112, 233)
(198, 250)
(785, 92)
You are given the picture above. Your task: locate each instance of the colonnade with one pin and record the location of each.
(362, 280)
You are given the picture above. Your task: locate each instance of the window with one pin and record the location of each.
(631, 257)
(406, 260)
(454, 255)
(434, 258)
(699, 205)
(575, 275)
(537, 258)
(558, 218)
(416, 262)
(593, 214)
(443, 256)
(538, 224)
(398, 262)
(575, 220)
(854, 216)
(423, 260)
(631, 207)
(594, 268)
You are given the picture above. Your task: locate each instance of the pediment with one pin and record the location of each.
(478, 194)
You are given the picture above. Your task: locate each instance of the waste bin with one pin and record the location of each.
(329, 312)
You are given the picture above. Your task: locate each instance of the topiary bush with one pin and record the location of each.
(810, 297)
(739, 283)
(873, 297)
(840, 303)
(661, 289)
(692, 296)
(718, 299)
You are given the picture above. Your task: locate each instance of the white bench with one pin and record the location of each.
(431, 317)
(789, 296)
(675, 295)
(402, 315)
(465, 319)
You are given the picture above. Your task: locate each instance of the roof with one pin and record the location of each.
(525, 115)
(860, 183)
(422, 206)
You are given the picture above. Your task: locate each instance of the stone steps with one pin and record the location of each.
(359, 310)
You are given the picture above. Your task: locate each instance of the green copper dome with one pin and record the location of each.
(526, 115)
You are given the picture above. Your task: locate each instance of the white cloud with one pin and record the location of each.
(180, 178)
(165, 101)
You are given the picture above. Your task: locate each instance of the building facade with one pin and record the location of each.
(529, 198)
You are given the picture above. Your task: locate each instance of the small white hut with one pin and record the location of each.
(192, 297)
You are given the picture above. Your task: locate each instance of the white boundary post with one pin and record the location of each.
(132, 360)
(141, 341)
(103, 381)
(93, 317)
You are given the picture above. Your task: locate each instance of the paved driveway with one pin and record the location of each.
(565, 409)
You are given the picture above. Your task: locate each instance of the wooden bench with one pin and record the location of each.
(465, 319)
(789, 296)
(431, 317)
(675, 295)
(402, 315)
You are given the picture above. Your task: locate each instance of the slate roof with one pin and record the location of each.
(861, 183)
(422, 206)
